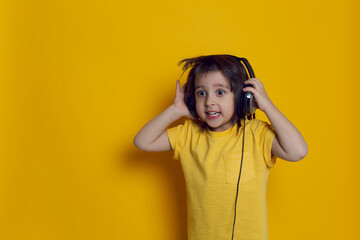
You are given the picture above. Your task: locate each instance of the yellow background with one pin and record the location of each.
(80, 78)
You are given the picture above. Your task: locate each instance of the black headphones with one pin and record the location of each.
(248, 99)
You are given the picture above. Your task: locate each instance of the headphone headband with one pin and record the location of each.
(251, 73)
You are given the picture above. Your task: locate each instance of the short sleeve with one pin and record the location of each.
(175, 139)
(267, 134)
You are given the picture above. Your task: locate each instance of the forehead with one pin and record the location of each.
(212, 78)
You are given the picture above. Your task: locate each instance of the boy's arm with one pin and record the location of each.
(288, 143)
(153, 137)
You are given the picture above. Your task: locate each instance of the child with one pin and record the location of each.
(210, 147)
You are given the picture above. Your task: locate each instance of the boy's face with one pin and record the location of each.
(214, 101)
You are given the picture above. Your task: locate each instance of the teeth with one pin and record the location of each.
(213, 113)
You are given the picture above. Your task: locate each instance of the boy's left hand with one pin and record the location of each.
(261, 97)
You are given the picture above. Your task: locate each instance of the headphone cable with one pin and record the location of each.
(237, 189)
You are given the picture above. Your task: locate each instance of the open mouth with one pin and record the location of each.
(212, 115)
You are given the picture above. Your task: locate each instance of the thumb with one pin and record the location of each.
(177, 93)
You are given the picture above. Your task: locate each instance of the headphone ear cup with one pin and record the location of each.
(249, 99)
(249, 104)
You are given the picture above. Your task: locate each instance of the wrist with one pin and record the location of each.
(175, 112)
(269, 107)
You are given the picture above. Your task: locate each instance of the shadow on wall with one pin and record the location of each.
(163, 163)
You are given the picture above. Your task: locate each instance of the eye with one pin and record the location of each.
(220, 92)
(201, 93)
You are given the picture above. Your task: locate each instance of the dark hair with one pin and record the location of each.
(232, 69)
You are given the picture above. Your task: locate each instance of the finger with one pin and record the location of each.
(249, 89)
(261, 85)
(253, 81)
(177, 87)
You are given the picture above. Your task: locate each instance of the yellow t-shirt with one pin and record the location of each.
(211, 166)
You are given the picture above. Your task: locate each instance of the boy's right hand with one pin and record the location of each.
(179, 102)
(153, 136)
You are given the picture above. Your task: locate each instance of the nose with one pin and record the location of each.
(209, 100)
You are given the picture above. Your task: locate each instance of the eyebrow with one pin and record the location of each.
(215, 85)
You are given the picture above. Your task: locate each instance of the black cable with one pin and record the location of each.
(237, 189)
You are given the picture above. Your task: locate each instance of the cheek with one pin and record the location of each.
(232, 110)
(231, 107)
(199, 106)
